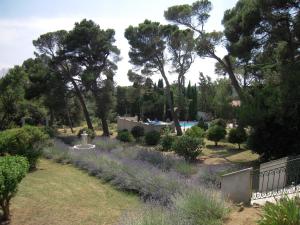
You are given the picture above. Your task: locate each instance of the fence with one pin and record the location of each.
(275, 178)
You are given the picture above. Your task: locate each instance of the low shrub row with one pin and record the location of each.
(151, 137)
(193, 207)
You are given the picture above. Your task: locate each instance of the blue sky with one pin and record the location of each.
(22, 21)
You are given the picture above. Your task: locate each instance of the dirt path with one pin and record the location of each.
(248, 216)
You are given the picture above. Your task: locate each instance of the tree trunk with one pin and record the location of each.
(51, 122)
(6, 211)
(239, 146)
(105, 127)
(83, 105)
(69, 120)
(173, 114)
(216, 143)
(228, 68)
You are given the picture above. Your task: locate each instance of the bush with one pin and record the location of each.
(12, 170)
(219, 122)
(188, 147)
(201, 207)
(137, 132)
(124, 136)
(202, 124)
(237, 135)
(286, 211)
(50, 131)
(195, 132)
(91, 133)
(167, 141)
(27, 141)
(152, 137)
(216, 133)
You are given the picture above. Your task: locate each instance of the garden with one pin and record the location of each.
(65, 160)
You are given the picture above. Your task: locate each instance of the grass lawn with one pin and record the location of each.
(230, 153)
(63, 195)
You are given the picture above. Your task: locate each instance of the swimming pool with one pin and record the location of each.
(187, 124)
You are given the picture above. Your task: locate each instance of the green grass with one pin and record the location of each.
(63, 195)
(229, 152)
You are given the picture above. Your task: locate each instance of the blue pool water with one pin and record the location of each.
(187, 124)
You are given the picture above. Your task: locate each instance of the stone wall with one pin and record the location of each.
(237, 186)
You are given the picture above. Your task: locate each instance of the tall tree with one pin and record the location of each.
(94, 50)
(52, 45)
(195, 16)
(148, 52)
(266, 35)
(181, 46)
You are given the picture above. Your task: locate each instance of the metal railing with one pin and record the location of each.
(277, 179)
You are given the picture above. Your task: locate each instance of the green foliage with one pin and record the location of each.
(152, 137)
(219, 122)
(195, 132)
(137, 132)
(216, 133)
(188, 147)
(12, 170)
(286, 211)
(203, 125)
(167, 141)
(26, 141)
(50, 131)
(91, 133)
(237, 135)
(201, 207)
(125, 136)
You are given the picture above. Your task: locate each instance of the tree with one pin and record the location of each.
(237, 135)
(265, 34)
(52, 45)
(12, 170)
(194, 17)
(206, 93)
(94, 50)
(216, 133)
(12, 96)
(148, 52)
(181, 46)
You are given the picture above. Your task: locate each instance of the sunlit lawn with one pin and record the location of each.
(63, 195)
(229, 152)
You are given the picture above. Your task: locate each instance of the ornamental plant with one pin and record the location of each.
(12, 170)
(216, 133)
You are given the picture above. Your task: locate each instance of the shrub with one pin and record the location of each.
(219, 122)
(124, 136)
(167, 141)
(152, 137)
(195, 132)
(91, 133)
(201, 207)
(27, 141)
(188, 147)
(285, 211)
(202, 124)
(216, 133)
(137, 132)
(237, 135)
(50, 131)
(12, 170)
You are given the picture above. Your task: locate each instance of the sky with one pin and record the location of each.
(22, 21)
